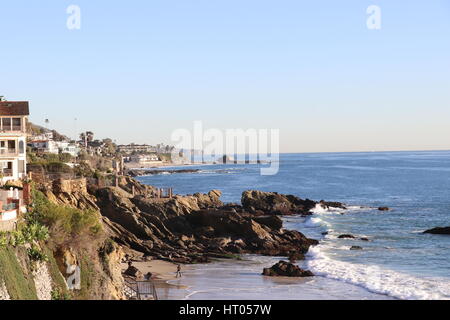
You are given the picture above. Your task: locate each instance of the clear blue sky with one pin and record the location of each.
(137, 70)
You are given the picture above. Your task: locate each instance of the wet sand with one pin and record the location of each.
(162, 272)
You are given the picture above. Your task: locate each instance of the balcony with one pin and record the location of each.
(6, 172)
(8, 152)
(12, 129)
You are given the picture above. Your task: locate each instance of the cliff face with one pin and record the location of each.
(184, 229)
(77, 260)
(63, 274)
(192, 228)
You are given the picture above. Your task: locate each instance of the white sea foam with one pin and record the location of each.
(358, 208)
(377, 280)
(315, 222)
(320, 209)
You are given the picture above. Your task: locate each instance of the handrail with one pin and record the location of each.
(140, 289)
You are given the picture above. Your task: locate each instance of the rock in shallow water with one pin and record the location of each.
(273, 203)
(439, 230)
(346, 236)
(286, 269)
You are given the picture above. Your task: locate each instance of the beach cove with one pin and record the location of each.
(398, 262)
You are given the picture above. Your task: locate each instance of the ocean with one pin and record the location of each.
(399, 261)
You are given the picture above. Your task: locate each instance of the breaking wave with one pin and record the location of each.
(376, 279)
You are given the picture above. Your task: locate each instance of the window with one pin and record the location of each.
(17, 124)
(8, 147)
(11, 146)
(6, 124)
(6, 168)
(21, 147)
(3, 148)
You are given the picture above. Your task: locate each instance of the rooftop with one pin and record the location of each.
(14, 108)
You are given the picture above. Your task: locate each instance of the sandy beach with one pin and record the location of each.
(161, 270)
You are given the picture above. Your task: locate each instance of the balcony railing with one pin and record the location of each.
(8, 152)
(7, 172)
(12, 129)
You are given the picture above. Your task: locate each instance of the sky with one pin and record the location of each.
(137, 70)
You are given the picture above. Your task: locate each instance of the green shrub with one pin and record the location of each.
(65, 157)
(59, 295)
(4, 240)
(36, 254)
(58, 167)
(17, 238)
(63, 222)
(83, 169)
(35, 231)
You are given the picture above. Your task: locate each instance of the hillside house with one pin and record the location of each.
(13, 119)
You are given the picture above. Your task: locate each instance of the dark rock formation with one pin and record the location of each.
(133, 272)
(383, 209)
(273, 222)
(286, 269)
(346, 236)
(137, 173)
(356, 248)
(439, 230)
(186, 229)
(259, 202)
(328, 204)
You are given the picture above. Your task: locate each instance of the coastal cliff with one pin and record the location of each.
(189, 229)
(90, 229)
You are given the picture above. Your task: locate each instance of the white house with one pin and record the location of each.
(48, 135)
(13, 119)
(67, 147)
(48, 146)
(145, 159)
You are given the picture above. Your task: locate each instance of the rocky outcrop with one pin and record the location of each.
(273, 203)
(332, 204)
(185, 229)
(70, 185)
(286, 269)
(439, 230)
(100, 269)
(71, 192)
(193, 228)
(133, 272)
(383, 209)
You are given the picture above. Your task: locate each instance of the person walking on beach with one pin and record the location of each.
(178, 271)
